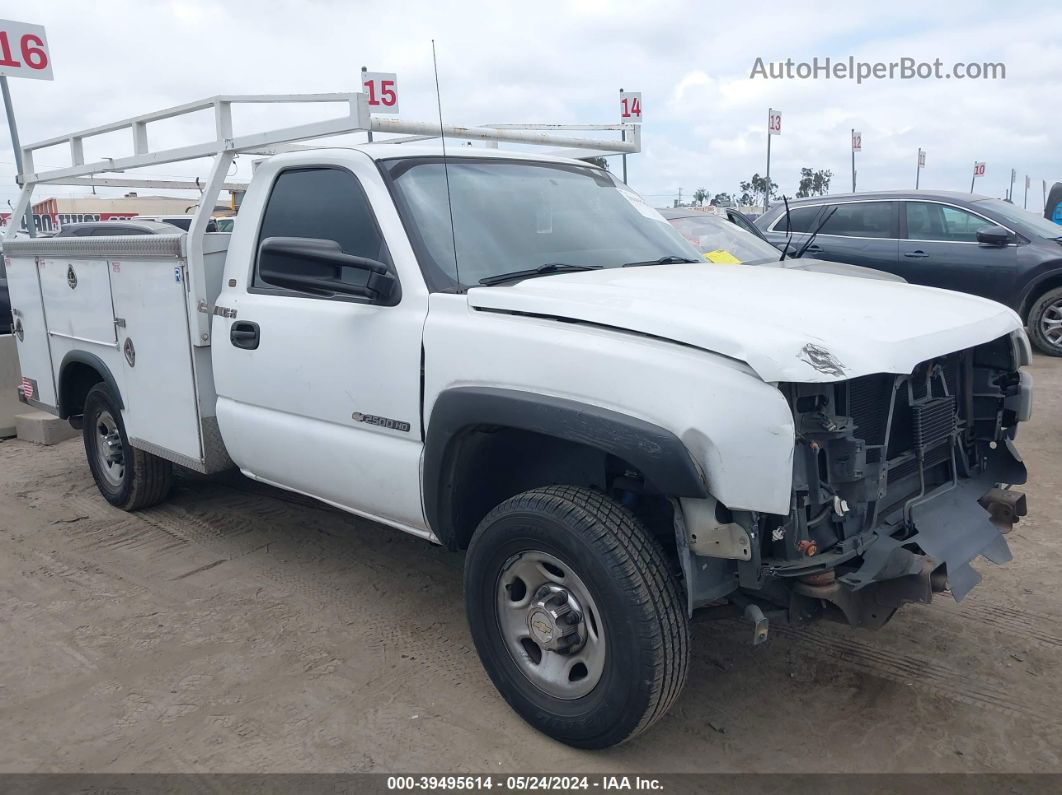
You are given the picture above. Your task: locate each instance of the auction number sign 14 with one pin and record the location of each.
(382, 88)
(24, 51)
(631, 107)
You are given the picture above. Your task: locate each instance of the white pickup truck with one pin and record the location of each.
(511, 354)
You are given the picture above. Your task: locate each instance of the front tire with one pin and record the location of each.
(1045, 322)
(576, 616)
(127, 478)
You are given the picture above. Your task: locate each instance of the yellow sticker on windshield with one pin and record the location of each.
(721, 257)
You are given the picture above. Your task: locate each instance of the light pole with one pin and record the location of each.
(774, 127)
(857, 143)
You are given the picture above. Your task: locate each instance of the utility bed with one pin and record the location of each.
(126, 301)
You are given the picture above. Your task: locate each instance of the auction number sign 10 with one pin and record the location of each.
(24, 51)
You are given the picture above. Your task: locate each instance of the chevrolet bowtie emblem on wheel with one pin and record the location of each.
(71, 277)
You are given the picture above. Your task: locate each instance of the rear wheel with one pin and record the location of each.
(126, 477)
(1045, 322)
(576, 616)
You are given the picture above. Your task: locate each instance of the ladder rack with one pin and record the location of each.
(226, 144)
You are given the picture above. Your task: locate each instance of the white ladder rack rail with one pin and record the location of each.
(226, 145)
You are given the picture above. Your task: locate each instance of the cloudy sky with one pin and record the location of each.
(705, 119)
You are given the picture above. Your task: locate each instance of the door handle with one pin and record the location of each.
(244, 334)
(918, 254)
(814, 249)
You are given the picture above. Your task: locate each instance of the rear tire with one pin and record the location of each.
(576, 616)
(127, 478)
(1045, 322)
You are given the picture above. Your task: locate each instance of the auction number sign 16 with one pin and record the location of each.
(382, 88)
(24, 51)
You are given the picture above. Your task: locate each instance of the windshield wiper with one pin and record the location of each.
(668, 260)
(541, 270)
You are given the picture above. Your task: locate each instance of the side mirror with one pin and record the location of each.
(993, 236)
(319, 267)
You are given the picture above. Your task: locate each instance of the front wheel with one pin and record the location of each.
(1045, 322)
(576, 616)
(127, 478)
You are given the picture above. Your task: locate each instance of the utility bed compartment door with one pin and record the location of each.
(77, 296)
(31, 336)
(157, 380)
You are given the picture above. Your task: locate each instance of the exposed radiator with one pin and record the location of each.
(934, 422)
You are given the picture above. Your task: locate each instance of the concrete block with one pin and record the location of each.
(43, 428)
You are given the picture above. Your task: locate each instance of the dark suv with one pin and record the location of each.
(958, 241)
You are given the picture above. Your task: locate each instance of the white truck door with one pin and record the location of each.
(321, 395)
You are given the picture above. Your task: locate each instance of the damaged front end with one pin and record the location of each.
(899, 482)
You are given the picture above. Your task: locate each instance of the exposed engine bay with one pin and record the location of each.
(899, 482)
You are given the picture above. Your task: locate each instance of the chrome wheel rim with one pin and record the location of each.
(1051, 323)
(551, 625)
(110, 455)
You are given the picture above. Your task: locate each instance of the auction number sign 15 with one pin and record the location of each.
(24, 51)
(382, 88)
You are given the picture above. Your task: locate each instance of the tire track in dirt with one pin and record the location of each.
(1021, 623)
(233, 523)
(929, 675)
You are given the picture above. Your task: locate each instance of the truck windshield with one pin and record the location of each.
(721, 241)
(510, 215)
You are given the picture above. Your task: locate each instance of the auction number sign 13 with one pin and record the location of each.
(24, 51)
(382, 88)
(774, 122)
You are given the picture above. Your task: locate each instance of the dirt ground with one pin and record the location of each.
(239, 628)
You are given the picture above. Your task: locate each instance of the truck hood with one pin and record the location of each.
(786, 325)
(826, 266)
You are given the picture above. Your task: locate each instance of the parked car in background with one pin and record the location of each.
(957, 241)
(1053, 206)
(182, 221)
(111, 228)
(726, 240)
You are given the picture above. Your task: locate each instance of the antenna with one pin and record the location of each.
(446, 170)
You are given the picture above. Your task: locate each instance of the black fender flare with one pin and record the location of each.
(657, 453)
(90, 360)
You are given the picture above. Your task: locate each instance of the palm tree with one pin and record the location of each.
(700, 195)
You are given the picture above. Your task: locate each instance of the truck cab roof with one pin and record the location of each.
(387, 151)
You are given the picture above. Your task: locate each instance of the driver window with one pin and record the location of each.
(327, 204)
